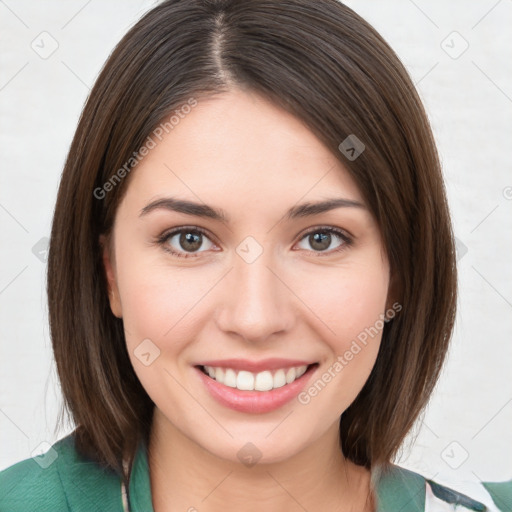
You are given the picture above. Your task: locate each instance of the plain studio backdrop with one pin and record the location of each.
(457, 53)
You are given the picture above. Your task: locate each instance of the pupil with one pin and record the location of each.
(320, 241)
(190, 241)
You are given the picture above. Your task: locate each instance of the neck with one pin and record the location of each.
(186, 477)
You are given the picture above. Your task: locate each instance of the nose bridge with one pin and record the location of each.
(258, 303)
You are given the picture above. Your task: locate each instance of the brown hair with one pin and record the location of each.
(327, 66)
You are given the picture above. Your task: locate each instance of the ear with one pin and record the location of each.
(110, 274)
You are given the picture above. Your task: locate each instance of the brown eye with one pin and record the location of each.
(185, 242)
(320, 241)
(325, 240)
(190, 241)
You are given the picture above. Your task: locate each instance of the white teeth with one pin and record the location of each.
(290, 375)
(219, 374)
(230, 378)
(262, 381)
(301, 370)
(279, 379)
(245, 381)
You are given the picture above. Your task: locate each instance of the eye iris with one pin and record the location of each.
(320, 241)
(190, 241)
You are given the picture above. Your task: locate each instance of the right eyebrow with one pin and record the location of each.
(186, 207)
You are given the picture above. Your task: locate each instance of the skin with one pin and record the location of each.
(240, 153)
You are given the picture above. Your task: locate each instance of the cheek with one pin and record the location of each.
(159, 302)
(350, 301)
(351, 305)
(161, 314)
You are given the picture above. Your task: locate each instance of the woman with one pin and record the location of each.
(251, 275)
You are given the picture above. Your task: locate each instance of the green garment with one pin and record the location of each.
(62, 480)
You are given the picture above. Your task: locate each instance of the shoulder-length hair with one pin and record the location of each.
(327, 66)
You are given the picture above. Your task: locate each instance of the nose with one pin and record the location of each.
(256, 303)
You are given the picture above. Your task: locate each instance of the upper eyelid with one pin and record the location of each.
(174, 231)
(332, 229)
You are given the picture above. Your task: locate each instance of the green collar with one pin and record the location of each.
(66, 480)
(398, 489)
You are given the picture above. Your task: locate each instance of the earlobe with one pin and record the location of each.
(109, 268)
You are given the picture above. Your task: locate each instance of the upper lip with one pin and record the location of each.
(255, 366)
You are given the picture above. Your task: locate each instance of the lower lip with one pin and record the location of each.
(255, 401)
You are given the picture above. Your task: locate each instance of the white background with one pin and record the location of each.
(466, 432)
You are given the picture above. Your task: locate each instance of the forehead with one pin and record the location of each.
(239, 145)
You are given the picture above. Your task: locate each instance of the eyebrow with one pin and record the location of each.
(203, 210)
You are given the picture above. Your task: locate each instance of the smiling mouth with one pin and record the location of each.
(266, 380)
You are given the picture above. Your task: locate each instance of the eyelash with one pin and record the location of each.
(164, 237)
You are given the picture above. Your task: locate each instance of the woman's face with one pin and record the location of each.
(259, 291)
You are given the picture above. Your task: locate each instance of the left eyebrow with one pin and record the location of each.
(203, 210)
(309, 209)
